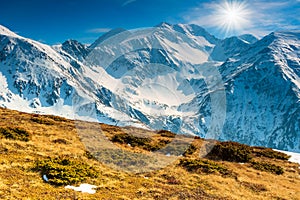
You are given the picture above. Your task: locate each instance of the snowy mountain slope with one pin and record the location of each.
(196, 32)
(5, 31)
(24, 62)
(228, 48)
(175, 77)
(263, 106)
(75, 49)
(248, 38)
(154, 67)
(38, 78)
(256, 115)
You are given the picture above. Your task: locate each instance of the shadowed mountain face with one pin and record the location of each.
(175, 77)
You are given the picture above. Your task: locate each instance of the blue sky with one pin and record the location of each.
(54, 21)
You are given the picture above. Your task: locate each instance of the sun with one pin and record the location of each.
(232, 16)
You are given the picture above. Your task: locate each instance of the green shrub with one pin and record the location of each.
(197, 137)
(270, 153)
(177, 148)
(41, 120)
(57, 118)
(267, 167)
(144, 143)
(154, 146)
(170, 179)
(197, 193)
(89, 155)
(64, 170)
(60, 141)
(134, 141)
(206, 166)
(165, 133)
(130, 139)
(254, 186)
(230, 151)
(149, 144)
(126, 161)
(192, 149)
(14, 134)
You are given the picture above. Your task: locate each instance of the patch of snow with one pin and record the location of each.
(185, 52)
(295, 157)
(87, 188)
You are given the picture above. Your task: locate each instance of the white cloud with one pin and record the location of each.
(42, 41)
(256, 32)
(128, 2)
(99, 30)
(265, 5)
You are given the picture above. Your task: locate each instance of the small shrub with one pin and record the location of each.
(154, 146)
(64, 170)
(171, 179)
(255, 187)
(144, 143)
(89, 155)
(3, 150)
(165, 133)
(134, 141)
(192, 149)
(176, 148)
(125, 160)
(270, 153)
(57, 118)
(41, 120)
(14, 134)
(60, 141)
(267, 167)
(197, 193)
(230, 151)
(130, 139)
(206, 166)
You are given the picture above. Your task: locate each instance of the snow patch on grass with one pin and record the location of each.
(87, 188)
(295, 157)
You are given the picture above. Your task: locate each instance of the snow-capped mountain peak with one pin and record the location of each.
(7, 32)
(248, 38)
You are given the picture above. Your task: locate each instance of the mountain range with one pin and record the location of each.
(174, 77)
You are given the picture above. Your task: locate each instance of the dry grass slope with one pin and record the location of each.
(31, 145)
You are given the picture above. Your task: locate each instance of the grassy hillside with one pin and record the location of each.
(68, 152)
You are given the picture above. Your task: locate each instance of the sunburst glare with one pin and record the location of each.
(232, 16)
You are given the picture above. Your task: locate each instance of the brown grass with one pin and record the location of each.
(53, 136)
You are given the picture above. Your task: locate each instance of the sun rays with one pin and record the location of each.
(232, 16)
